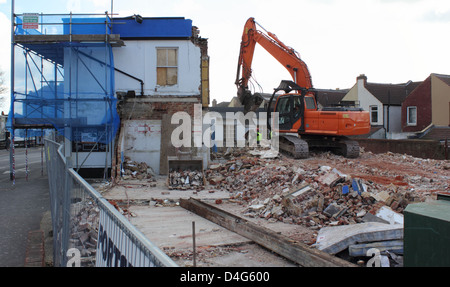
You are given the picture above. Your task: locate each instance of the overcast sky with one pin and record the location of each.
(390, 41)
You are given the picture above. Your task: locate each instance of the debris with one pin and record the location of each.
(323, 191)
(84, 231)
(215, 166)
(332, 211)
(345, 189)
(338, 238)
(369, 217)
(340, 173)
(136, 170)
(329, 179)
(386, 213)
(381, 196)
(394, 246)
(185, 179)
(256, 207)
(361, 213)
(300, 191)
(265, 154)
(384, 261)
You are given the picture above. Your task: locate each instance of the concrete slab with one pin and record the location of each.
(140, 190)
(337, 238)
(171, 227)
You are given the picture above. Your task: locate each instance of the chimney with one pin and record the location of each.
(363, 78)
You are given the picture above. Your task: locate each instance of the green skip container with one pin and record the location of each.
(427, 233)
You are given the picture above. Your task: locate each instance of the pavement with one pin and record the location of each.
(22, 207)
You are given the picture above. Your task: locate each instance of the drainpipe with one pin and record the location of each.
(388, 108)
(133, 77)
(117, 70)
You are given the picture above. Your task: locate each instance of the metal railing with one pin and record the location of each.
(62, 24)
(87, 229)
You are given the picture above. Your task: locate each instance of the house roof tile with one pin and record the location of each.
(444, 78)
(391, 94)
(330, 97)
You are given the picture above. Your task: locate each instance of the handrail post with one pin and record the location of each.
(70, 27)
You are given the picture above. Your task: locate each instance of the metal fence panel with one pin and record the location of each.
(87, 229)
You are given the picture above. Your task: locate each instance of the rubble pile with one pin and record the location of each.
(84, 232)
(318, 205)
(249, 177)
(314, 194)
(136, 170)
(122, 207)
(186, 179)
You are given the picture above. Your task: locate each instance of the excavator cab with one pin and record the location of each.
(291, 107)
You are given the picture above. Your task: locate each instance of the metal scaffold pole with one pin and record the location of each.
(26, 154)
(12, 159)
(42, 152)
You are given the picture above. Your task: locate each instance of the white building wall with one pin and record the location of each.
(138, 58)
(367, 100)
(142, 142)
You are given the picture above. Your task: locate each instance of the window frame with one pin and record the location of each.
(408, 119)
(373, 109)
(166, 66)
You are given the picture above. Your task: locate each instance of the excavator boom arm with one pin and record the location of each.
(287, 56)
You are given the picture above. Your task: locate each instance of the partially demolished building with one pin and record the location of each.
(109, 85)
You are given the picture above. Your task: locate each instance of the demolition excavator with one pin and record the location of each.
(301, 124)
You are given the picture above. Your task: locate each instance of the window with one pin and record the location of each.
(310, 103)
(298, 108)
(284, 110)
(411, 116)
(284, 105)
(373, 114)
(167, 66)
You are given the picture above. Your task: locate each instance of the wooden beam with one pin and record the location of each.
(295, 251)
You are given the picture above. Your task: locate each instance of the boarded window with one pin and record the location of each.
(167, 66)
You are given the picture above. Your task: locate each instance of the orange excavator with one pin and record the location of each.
(302, 125)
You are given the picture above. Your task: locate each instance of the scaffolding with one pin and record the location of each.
(62, 78)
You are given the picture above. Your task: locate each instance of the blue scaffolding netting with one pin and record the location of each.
(65, 85)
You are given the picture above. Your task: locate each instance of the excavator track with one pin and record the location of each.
(349, 148)
(294, 146)
(298, 148)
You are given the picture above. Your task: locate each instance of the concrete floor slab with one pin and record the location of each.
(171, 227)
(138, 190)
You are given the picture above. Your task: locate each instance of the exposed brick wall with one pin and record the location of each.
(153, 110)
(420, 98)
